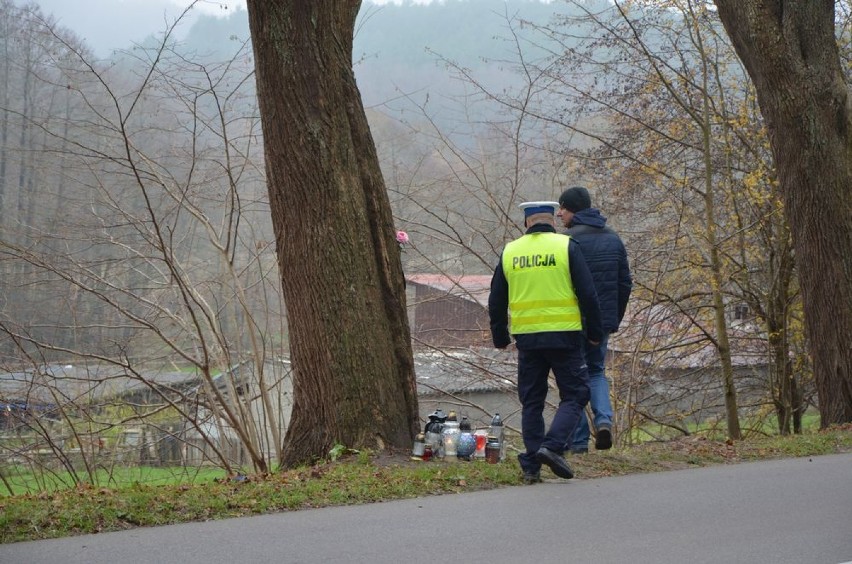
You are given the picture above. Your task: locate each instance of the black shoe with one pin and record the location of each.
(579, 450)
(532, 477)
(556, 462)
(603, 438)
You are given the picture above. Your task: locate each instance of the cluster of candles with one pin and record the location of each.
(450, 439)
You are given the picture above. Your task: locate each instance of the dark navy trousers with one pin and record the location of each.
(572, 379)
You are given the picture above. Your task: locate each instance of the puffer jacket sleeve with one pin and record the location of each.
(625, 283)
(584, 288)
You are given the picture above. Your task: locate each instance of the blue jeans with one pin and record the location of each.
(599, 400)
(571, 379)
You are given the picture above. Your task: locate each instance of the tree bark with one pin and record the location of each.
(789, 50)
(340, 265)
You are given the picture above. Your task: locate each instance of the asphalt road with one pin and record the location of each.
(784, 511)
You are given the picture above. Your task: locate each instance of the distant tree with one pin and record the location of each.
(790, 52)
(353, 369)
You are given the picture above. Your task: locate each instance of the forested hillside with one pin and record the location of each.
(398, 47)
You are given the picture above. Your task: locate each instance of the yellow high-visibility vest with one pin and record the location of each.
(541, 295)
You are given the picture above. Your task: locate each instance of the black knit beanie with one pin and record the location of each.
(575, 199)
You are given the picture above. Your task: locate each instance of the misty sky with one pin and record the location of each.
(117, 24)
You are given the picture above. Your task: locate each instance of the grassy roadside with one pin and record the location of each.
(362, 478)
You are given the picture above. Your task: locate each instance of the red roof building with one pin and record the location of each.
(449, 311)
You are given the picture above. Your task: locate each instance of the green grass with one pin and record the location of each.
(23, 481)
(766, 425)
(357, 479)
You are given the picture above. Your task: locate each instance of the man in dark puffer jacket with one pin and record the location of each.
(607, 260)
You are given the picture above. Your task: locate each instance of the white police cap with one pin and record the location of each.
(532, 208)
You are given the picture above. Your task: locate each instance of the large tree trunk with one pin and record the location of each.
(789, 50)
(340, 265)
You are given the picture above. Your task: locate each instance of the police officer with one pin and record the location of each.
(543, 281)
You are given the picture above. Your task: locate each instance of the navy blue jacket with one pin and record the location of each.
(584, 288)
(607, 259)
